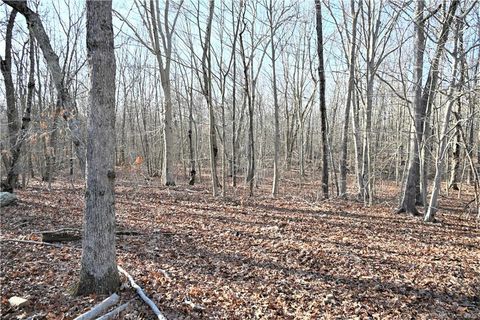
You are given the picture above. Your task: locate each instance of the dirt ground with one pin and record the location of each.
(249, 258)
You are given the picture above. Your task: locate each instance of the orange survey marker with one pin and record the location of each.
(139, 160)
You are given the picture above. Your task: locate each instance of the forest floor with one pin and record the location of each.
(249, 258)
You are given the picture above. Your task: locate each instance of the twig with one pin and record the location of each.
(32, 242)
(165, 274)
(99, 308)
(142, 294)
(194, 306)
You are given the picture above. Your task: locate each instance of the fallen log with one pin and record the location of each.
(63, 235)
(142, 294)
(99, 308)
(127, 233)
(72, 234)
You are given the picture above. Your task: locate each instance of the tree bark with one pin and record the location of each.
(323, 108)
(6, 67)
(12, 113)
(99, 272)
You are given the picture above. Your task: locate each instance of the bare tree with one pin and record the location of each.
(251, 73)
(277, 17)
(349, 101)
(422, 100)
(442, 149)
(21, 135)
(12, 113)
(323, 107)
(160, 33)
(64, 98)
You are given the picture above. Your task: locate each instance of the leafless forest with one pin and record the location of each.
(251, 159)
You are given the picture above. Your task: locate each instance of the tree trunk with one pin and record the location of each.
(12, 175)
(251, 143)
(12, 113)
(168, 142)
(164, 68)
(323, 109)
(234, 111)
(366, 161)
(442, 149)
(99, 272)
(348, 103)
(249, 93)
(276, 143)
(457, 149)
(123, 158)
(357, 142)
(207, 92)
(191, 151)
(478, 153)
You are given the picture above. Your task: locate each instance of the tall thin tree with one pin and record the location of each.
(323, 107)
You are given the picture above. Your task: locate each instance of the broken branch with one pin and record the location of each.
(142, 294)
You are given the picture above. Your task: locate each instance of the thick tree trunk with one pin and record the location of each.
(99, 272)
(323, 108)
